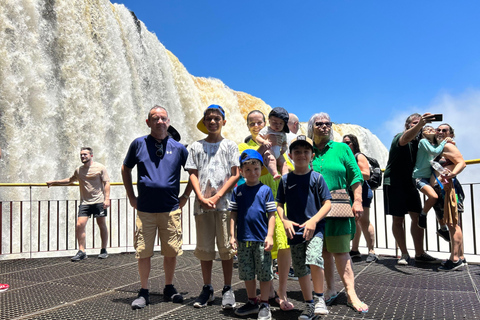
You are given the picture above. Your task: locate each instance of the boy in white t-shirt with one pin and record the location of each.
(274, 138)
(213, 167)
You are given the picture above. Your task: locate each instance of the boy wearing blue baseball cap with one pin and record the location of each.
(253, 209)
(213, 166)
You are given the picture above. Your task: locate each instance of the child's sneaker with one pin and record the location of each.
(171, 294)
(4, 287)
(248, 308)
(264, 312)
(422, 221)
(205, 297)
(228, 298)
(291, 274)
(320, 306)
(444, 234)
(308, 313)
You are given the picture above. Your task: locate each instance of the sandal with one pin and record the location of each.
(285, 305)
(331, 298)
(362, 307)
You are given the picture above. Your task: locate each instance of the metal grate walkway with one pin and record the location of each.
(55, 288)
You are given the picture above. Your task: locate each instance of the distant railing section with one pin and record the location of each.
(40, 228)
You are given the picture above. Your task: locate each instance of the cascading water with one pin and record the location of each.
(85, 73)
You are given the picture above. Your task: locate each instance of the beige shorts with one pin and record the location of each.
(169, 229)
(211, 225)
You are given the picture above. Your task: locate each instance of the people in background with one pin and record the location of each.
(363, 224)
(94, 186)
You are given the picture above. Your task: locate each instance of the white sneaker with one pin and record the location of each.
(320, 306)
(228, 299)
(403, 261)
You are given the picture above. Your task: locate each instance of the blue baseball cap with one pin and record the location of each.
(201, 125)
(249, 154)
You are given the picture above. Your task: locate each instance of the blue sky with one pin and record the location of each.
(369, 63)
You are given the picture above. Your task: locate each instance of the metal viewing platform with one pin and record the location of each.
(56, 288)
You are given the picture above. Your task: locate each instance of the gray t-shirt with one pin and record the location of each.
(214, 162)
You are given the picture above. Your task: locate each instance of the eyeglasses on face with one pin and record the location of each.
(443, 130)
(159, 147)
(321, 124)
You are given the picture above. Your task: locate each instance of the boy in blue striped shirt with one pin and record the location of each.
(253, 216)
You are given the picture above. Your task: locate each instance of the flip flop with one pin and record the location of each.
(360, 309)
(285, 305)
(331, 298)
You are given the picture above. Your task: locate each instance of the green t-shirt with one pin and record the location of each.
(340, 170)
(401, 161)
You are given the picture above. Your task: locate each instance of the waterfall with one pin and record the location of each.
(85, 73)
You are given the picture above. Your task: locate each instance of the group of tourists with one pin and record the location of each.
(297, 199)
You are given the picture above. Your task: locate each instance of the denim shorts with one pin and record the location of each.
(421, 182)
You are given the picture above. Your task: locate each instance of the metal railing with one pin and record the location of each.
(39, 228)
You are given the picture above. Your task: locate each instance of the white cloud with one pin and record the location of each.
(462, 112)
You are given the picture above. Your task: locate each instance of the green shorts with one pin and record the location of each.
(254, 260)
(305, 254)
(338, 244)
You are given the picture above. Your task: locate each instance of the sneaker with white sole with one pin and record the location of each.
(264, 312)
(205, 297)
(308, 313)
(103, 254)
(250, 307)
(320, 306)
(451, 266)
(79, 256)
(291, 274)
(403, 261)
(171, 294)
(372, 257)
(142, 300)
(228, 298)
(4, 287)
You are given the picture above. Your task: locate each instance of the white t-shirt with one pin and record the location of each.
(214, 162)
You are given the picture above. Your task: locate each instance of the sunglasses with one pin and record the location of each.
(321, 124)
(159, 147)
(443, 130)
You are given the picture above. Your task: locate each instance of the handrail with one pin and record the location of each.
(472, 161)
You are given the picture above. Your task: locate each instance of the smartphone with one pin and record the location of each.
(436, 117)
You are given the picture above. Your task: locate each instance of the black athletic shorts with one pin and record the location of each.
(86, 210)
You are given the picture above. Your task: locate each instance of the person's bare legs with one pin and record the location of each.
(80, 232)
(251, 287)
(318, 278)
(345, 270)
(227, 267)
(329, 272)
(399, 233)
(207, 266)
(271, 164)
(456, 238)
(169, 264)
(264, 290)
(417, 234)
(306, 286)
(144, 265)
(102, 225)
(364, 226)
(432, 198)
(284, 260)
